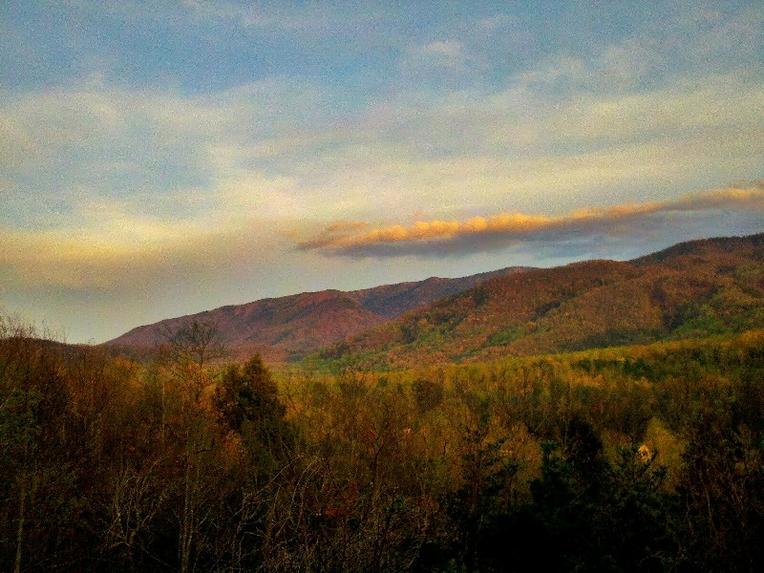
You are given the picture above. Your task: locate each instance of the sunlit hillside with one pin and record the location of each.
(694, 289)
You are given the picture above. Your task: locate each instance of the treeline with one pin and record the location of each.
(644, 458)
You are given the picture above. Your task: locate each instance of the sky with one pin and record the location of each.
(163, 158)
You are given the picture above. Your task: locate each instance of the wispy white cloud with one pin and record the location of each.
(447, 53)
(248, 15)
(289, 18)
(267, 147)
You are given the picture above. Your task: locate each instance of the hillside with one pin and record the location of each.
(288, 327)
(698, 288)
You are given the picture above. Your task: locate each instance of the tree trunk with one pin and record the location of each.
(20, 529)
(185, 528)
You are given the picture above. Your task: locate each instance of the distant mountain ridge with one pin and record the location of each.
(692, 289)
(289, 327)
(697, 288)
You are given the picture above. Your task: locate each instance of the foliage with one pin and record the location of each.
(633, 458)
(693, 290)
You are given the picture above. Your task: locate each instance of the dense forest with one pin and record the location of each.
(691, 290)
(629, 458)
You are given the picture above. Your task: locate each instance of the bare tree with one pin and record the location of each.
(195, 341)
(188, 351)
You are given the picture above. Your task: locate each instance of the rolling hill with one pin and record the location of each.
(698, 288)
(289, 327)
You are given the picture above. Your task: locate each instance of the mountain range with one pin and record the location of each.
(693, 289)
(289, 327)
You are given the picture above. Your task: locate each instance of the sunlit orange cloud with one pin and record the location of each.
(483, 233)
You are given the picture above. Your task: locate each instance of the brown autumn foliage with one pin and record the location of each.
(519, 464)
(695, 289)
(287, 328)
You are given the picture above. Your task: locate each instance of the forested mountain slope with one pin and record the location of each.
(698, 288)
(291, 326)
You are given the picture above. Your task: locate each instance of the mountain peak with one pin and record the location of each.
(283, 328)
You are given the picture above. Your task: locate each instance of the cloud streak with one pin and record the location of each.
(452, 237)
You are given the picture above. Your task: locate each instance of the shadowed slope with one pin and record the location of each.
(291, 326)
